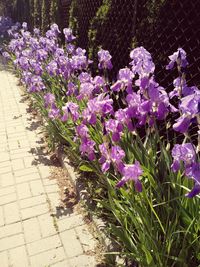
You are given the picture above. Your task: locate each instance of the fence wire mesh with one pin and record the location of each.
(86, 11)
(177, 25)
(161, 26)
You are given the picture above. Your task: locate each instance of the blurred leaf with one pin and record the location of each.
(86, 168)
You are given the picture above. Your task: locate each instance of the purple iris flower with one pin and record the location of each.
(195, 175)
(117, 86)
(189, 106)
(153, 91)
(42, 41)
(6, 55)
(71, 89)
(104, 104)
(86, 90)
(27, 53)
(70, 109)
(34, 44)
(79, 62)
(180, 87)
(138, 108)
(195, 191)
(41, 54)
(162, 111)
(69, 37)
(99, 84)
(12, 45)
(59, 52)
(26, 36)
(54, 27)
(105, 158)
(132, 172)
(26, 77)
(20, 44)
(80, 51)
(178, 57)
(100, 105)
(115, 128)
(134, 101)
(143, 83)
(84, 77)
(36, 84)
(182, 124)
(82, 130)
(50, 45)
(98, 81)
(24, 63)
(126, 76)
(36, 31)
(190, 90)
(154, 100)
(64, 66)
(70, 49)
(141, 61)
(122, 116)
(49, 99)
(190, 103)
(54, 113)
(36, 67)
(52, 68)
(87, 148)
(115, 155)
(51, 34)
(185, 153)
(24, 26)
(89, 116)
(11, 33)
(104, 59)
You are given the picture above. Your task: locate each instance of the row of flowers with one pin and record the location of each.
(6, 24)
(132, 132)
(91, 103)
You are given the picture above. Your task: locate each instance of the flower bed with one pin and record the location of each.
(141, 143)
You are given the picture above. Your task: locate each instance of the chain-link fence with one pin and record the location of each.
(177, 25)
(64, 13)
(161, 26)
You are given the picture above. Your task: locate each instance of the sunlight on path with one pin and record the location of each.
(29, 234)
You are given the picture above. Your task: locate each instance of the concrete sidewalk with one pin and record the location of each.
(29, 234)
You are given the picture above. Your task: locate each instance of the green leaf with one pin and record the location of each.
(86, 168)
(148, 255)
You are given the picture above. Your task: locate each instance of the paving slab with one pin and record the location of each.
(29, 235)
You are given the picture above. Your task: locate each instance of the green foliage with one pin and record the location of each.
(45, 15)
(147, 15)
(37, 13)
(153, 8)
(96, 24)
(19, 10)
(155, 228)
(3, 10)
(158, 227)
(6, 7)
(54, 11)
(73, 21)
(86, 168)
